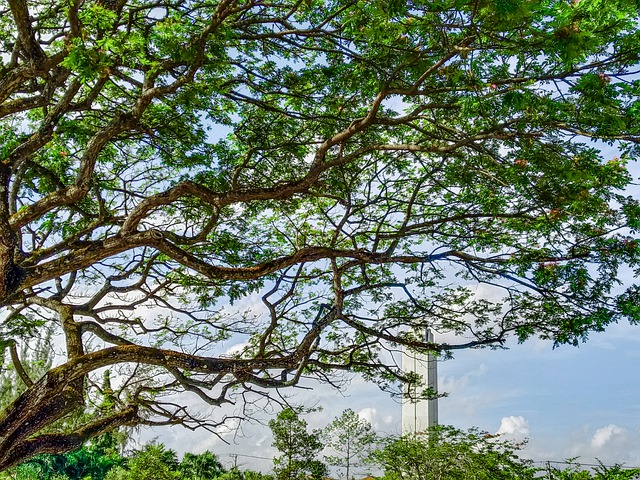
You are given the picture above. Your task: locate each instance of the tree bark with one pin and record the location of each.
(10, 274)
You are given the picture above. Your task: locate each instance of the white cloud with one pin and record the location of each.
(604, 435)
(369, 414)
(609, 444)
(514, 427)
(452, 384)
(236, 349)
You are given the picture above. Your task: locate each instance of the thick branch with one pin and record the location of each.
(61, 443)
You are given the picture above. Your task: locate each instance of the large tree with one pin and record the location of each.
(349, 440)
(314, 180)
(446, 452)
(299, 448)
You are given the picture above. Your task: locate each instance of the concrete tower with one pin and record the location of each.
(418, 416)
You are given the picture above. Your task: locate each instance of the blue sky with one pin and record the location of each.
(566, 396)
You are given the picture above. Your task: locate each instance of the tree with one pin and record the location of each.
(88, 462)
(601, 472)
(251, 475)
(445, 452)
(204, 466)
(299, 448)
(17, 368)
(235, 474)
(351, 439)
(353, 167)
(153, 462)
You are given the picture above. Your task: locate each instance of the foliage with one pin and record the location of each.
(235, 474)
(600, 472)
(87, 463)
(351, 440)
(153, 462)
(251, 475)
(445, 452)
(316, 181)
(101, 461)
(37, 357)
(201, 467)
(299, 448)
(156, 461)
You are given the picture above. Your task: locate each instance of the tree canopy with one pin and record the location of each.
(299, 448)
(349, 441)
(315, 181)
(447, 453)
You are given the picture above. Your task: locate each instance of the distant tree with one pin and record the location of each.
(448, 453)
(235, 474)
(351, 439)
(22, 364)
(106, 404)
(203, 466)
(119, 473)
(299, 448)
(252, 475)
(316, 470)
(153, 462)
(89, 462)
(600, 472)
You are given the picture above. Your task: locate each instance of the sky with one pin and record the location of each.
(568, 402)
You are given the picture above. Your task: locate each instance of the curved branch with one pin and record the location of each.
(22, 373)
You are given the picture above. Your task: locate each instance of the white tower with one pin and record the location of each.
(418, 416)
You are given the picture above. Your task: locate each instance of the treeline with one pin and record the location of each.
(348, 445)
